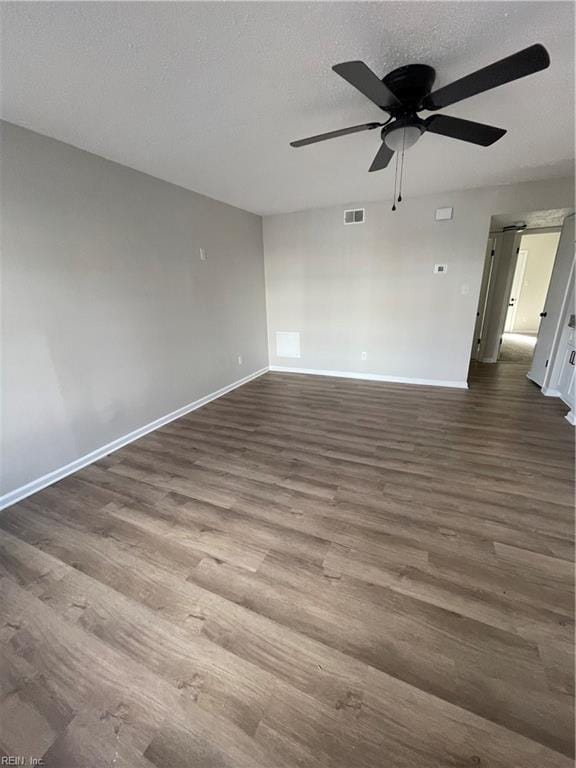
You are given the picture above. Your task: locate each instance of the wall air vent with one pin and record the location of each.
(354, 216)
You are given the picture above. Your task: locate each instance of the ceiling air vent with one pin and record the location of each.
(354, 216)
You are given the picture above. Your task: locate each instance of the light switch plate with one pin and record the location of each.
(440, 269)
(444, 214)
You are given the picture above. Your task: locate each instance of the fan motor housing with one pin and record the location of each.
(410, 84)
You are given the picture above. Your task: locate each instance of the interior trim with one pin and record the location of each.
(372, 377)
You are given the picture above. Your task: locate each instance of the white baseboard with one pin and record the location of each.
(372, 377)
(58, 474)
(551, 392)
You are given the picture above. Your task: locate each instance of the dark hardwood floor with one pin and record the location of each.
(311, 572)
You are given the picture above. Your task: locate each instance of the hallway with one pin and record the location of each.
(517, 348)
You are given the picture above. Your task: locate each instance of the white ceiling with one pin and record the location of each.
(208, 95)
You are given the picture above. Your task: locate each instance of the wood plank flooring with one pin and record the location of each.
(310, 572)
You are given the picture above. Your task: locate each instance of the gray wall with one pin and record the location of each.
(370, 287)
(109, 318)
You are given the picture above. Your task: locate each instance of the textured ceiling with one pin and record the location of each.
(208, 95)
(532, 219)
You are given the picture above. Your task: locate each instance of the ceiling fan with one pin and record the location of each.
(406, 91)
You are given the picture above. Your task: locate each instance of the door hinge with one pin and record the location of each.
(546, 364)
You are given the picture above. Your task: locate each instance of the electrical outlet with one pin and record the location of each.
(203, 255)
(239, 359)
(363, 356)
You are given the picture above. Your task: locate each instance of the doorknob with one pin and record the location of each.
(543, 314)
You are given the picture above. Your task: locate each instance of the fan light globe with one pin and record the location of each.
(402, 138)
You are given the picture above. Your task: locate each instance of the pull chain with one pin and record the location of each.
(395, 179)
(402, 165)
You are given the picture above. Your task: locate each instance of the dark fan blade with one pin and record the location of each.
(383, 157)
(465, 130)
(520, 64)
(334, 134)
(361, 77)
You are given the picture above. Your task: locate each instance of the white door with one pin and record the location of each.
(515, 292)
(562, 376)
(555, 298)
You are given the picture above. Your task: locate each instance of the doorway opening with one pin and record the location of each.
(520, 257)
(534, 264)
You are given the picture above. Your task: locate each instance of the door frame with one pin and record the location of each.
(483, 296)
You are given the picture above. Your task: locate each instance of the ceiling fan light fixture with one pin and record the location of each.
(407, 90)
(402, 138)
